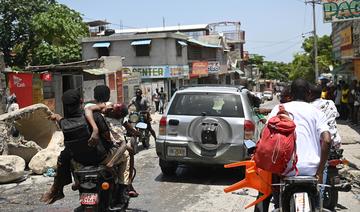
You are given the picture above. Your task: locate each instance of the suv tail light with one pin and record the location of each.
(162, 125)
(249, 130)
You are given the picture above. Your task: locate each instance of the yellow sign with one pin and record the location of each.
(346, 37)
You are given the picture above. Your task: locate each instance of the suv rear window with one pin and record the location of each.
(209, 104)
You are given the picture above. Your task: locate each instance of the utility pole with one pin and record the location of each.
(316, 66)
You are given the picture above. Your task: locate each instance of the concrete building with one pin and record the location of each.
(171, 56)
(159, 59)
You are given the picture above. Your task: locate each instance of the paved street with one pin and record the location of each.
(192, 190)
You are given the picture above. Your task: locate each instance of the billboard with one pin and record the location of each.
(199, 68)
(340, 10)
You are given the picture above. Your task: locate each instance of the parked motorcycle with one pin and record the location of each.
(334, 180)
(99, 191)
(139, 120)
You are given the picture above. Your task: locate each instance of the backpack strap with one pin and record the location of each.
(294, 162)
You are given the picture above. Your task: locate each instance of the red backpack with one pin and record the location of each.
(277, 145)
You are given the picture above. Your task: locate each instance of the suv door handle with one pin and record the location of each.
(174, 122)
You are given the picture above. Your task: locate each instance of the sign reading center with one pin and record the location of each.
(148, 72)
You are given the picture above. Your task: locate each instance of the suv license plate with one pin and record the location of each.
(88, 199)
(176, 151)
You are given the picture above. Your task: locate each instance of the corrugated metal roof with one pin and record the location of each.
(98, 71)
(141, 42)
(101, 45)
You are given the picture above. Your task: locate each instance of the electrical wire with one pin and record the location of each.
(286, 49)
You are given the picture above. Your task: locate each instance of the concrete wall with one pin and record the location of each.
(162, 52)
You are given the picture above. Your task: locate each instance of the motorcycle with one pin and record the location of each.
(139, 120)
(334, 180)
(99, 191)
(297, 193)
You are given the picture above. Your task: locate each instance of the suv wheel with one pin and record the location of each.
(168, 168)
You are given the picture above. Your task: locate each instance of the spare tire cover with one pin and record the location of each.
(222, 128)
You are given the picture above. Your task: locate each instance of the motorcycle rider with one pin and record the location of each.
(142, 105)
(313, 136)
(112, 156)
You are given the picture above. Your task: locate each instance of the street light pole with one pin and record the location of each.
(316, 66)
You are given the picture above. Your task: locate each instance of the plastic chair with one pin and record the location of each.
(254, 178)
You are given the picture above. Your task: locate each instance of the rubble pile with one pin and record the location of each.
(31, 137)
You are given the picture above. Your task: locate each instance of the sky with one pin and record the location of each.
(273, 28)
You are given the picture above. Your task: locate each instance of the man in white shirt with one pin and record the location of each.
(312, 131)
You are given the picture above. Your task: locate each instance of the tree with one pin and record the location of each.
(57, 33)
(16, 37)
(303, 63)
(270, 69)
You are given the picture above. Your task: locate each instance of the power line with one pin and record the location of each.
(279, 42)
(286, 49)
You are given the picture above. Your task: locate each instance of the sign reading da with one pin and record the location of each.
(340, 10)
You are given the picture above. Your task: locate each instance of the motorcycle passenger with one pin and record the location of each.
(313, 136)
(72, 109)
(117, 132)
(117, 154)
(142, 105)
(329, 109)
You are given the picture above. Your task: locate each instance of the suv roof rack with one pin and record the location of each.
(239, 87)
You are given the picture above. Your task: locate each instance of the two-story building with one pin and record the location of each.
(158, 59)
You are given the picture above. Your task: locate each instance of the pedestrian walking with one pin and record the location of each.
(162, 100)
(156, 99)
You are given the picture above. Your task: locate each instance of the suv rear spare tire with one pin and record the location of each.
(168, 168)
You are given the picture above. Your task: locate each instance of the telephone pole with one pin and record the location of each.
(316, 66)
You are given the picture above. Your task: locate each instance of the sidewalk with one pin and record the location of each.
(350, 137)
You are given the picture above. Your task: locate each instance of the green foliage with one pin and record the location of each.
(303, 63)
(270, 69)
(39, 32)
(16, 36)
(57, 31)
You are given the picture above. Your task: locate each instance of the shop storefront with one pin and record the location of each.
(169, 77)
